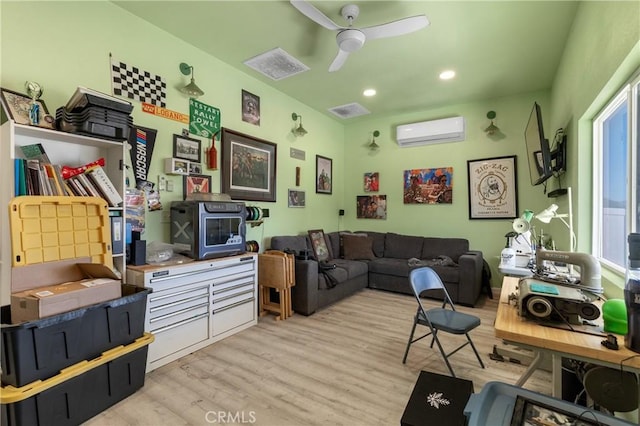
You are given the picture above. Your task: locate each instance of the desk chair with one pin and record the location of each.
(439, 319)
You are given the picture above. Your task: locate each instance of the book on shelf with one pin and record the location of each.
(35, 152)
(104, 184)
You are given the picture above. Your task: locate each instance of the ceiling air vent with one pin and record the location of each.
(349, 110)
(276, 64)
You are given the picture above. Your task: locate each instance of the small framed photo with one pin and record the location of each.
(176, 166)
(187, 148)
(371, 182)
(195, 168)
(296, 198)
(17, 106)
(195, 184)
(323, 174)
(250, 108)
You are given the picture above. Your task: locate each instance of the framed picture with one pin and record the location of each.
(250, 108)
(428, 186)
(371, 207)
(17, 106)
(186, 148)
(176, 166)
(192, 184)
(319, 244)
(371, 182)
(248, 167)
(493, 190)
(530, 413)
(296, 198)
(323, 174)
(195, 168)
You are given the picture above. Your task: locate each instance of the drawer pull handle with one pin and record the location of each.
(233, 305)
(178, 302)
(176, 293)
(231, 296)
(176, 276)
(234, 287)
(234, 277)
(182, 311)
(178, 324)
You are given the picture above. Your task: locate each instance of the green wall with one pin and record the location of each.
(72, 44)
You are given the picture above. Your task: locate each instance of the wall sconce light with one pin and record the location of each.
(550, 212)
(298, 131)
(192, 88)
(373, 145)
(492, 128)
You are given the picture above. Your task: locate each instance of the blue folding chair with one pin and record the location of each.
(439, 319)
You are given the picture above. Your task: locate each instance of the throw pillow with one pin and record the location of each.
(357, 247)
(342, 234)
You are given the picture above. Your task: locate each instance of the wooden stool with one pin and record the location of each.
(276, 271)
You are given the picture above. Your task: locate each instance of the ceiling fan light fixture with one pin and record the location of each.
(192, 88)
(298, 130)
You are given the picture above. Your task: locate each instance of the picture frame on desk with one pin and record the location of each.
(17, 106)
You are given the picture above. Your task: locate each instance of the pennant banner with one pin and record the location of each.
(204, 119)
(142, 141)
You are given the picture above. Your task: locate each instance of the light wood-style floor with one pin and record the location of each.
(340, 366)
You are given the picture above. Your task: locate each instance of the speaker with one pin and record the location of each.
(340, 212)
(137, 252)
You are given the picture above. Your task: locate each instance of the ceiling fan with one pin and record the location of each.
(351, 39)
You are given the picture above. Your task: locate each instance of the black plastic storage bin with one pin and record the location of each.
(37, 350)
(80, 391)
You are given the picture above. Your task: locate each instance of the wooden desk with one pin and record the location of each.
(520, 331)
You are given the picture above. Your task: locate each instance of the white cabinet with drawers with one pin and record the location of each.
(195, 304)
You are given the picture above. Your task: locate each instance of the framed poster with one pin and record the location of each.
(18, 107)
(323, 174)
(192, 184)
(493, 190)
(372, 182)
(248, 167)
(186, 148)
(296, 198)
(371, 206)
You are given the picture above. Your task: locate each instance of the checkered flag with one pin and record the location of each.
(133, 83)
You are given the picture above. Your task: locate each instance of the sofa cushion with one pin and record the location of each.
(452, 247)
(378, 241)
(402, 246)
(296, 243)
(334, 244)
(389, 266)
(354, 268)
(357, 247)
(338, 274)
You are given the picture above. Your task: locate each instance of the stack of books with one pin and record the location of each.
(36, 175)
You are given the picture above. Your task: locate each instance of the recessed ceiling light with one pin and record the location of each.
(369, 92)
(447, 75)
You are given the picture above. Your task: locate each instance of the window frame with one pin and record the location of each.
(628, 95)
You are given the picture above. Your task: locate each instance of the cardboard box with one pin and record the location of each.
(99, 284)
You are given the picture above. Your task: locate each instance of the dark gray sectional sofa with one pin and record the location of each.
(383, 261)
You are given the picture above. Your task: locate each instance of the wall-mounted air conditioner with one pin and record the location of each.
(429, 132)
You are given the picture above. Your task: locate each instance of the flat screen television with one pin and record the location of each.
(538, 150)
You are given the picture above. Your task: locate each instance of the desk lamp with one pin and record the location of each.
(550, 212)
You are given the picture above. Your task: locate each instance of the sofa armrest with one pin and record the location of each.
(470, 284)
(304, 295)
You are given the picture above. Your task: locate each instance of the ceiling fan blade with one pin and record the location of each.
(315, 15)
(396, 28)
(339, 61)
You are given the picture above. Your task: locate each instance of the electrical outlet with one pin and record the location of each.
(169, 186)
(162, 183)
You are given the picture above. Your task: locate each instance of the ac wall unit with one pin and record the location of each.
(430, 132)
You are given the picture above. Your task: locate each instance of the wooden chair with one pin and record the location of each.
(276, 270)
